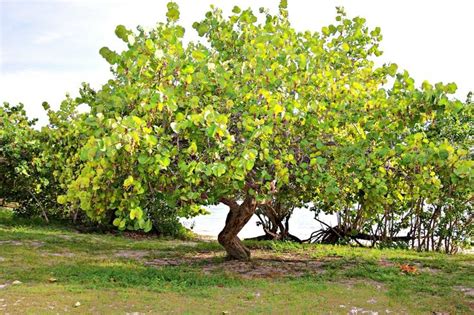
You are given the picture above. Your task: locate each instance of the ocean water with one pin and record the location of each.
(301, 223)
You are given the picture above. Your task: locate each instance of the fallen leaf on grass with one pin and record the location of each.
(408, 269)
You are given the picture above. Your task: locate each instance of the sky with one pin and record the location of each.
(48, 47)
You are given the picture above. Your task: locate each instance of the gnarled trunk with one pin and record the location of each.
(238, 216)
(274, 219)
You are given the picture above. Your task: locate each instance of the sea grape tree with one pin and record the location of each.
(258, 115)
(408, 171)
(36, 164)
(238, 118)
(19, 147)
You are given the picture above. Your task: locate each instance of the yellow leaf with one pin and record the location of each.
(192, 148)
(137, 120)
(128, 182)
(277, 109)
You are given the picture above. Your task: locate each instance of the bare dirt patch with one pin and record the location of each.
(266, 268)
(162, 262)
(430, 270)
(35, 243)
(386, 263)
(352, 283)
(132, 254)
(14, 243)
(23, 243)
(466, 290)
(62, 254)
(423, 268)
(135, 235)
(65, 237)
(467, 263)
(263, 264)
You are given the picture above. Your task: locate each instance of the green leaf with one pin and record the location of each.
(325, 31)
(192, 149)
(173, 12)
(122, 33)
(149, 44)
(249, 164)
(198, 55)
(418, 136)
(143, 159)
(455, 106)
(211, 131)
(277, 109)
(117, 221)
(164, 161)
(62, 199)
(151, 139)
(136, 213)
(451, 88)
(219, 169)
(426, 86)
(108, 55)
(392, 69)
(128, 182)
(148, 226)
(188, 69)
(121, 225)
(83, 155)
(138, 121)
(321, 161)
(236, 10)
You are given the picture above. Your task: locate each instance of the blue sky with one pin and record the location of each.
(47, 35)
(48, 47)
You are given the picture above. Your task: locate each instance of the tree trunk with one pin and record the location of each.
(238, 216)
(276, 215)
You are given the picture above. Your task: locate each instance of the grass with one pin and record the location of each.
(59, 267)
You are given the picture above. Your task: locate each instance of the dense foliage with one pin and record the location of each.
(19, 146)
(412, 179)
(261, 118)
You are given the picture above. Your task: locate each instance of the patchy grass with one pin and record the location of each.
(58, 267)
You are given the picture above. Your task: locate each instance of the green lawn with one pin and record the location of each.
(58, 267)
